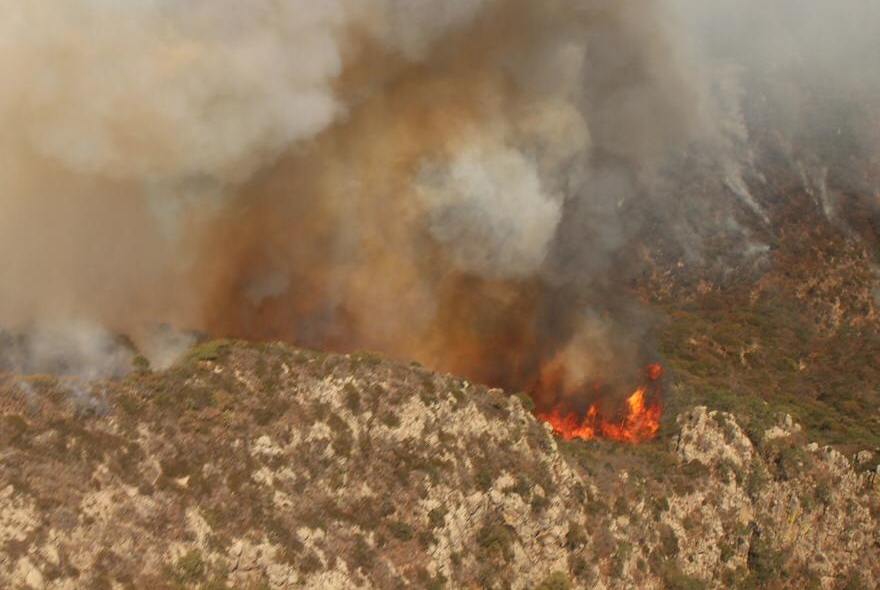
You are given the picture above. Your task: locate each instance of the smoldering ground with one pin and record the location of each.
(461, 183)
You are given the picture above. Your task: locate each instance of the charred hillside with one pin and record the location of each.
(265, 466)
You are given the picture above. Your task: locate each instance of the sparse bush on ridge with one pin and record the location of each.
(496, 537)
(210, 351)
(189, 568)
(141, 364)
(526, 401)
(760, 358)
(555, 581)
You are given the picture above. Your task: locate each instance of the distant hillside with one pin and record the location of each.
(262, 466)
(789, 319)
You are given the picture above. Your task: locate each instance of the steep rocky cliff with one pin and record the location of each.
(264, 466)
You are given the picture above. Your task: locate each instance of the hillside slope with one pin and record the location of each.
(264, 466)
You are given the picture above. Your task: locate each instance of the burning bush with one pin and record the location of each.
(638, 420)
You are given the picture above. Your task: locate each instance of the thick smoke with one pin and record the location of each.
(489, 211)
(796, 78)
(460, 182)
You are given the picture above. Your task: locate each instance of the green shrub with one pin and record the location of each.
(619, 559)
(141, 364)
(694, 469)
(496, 537)
(726, 551)
(539, 504)
(765, 563)
(343, 436)
(401, 530)
(310, 563)
(823, 493)
(352, 398)
(390, 419)
(790, 461)
(579, 567)
(675, 579)
(428, 392)
(210, 351)
(575, 537)
(484, 477)
(190, 568)
(758, 478)
(659, 506)
(175, 467)
(14, 428)
(668, 542)
(362, 556)
(855, 582)
(555, 581)
(426, 539)
(525, 401)
(369, 358)
(437, 517)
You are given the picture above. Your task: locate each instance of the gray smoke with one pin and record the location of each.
(391, 173)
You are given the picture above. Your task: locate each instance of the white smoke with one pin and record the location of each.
(807, 69)
(74, 348)
(163, 91)
(488, 208)
(412, 26)
(204, 91)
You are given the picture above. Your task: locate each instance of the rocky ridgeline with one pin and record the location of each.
(263, 466)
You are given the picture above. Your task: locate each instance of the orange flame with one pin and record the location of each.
(639, 421)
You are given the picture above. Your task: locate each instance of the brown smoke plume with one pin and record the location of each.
(451, 182)
(425, 223)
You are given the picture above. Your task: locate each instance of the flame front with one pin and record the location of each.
(638, 421)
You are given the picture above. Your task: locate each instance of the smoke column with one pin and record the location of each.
(458, 182)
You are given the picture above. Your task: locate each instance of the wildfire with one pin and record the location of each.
(638, 421)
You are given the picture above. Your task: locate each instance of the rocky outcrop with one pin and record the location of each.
(762, 510)
(263, 466)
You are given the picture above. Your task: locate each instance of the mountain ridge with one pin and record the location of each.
(265, 466)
